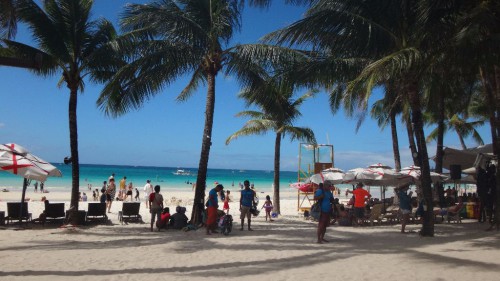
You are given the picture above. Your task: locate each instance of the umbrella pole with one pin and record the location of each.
(23, 195)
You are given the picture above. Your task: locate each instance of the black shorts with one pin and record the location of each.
(359, 212)
(108, 197)
(129, 192)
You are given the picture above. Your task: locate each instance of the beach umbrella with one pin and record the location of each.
(378, 175)
(17, 160)
(414, 172)
(332, 175)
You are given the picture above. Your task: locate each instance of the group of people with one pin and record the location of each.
(247, 206)
(331, 211)
(42, 190)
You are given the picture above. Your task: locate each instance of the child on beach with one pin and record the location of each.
(137, 198)
(226, 203)
(268, 205)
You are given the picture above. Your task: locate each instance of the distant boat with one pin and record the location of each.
(181, 172)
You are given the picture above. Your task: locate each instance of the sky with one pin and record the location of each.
(166, 133)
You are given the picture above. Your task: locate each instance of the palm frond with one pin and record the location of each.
(193, 84)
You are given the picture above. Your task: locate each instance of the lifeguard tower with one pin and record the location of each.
(313, 158)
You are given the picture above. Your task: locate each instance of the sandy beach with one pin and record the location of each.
(281, 250)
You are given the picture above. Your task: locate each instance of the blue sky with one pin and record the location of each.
(167, 133)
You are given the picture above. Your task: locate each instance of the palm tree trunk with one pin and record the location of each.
(425, 178)
(395, 144)
(492, 90)
(440, 135)
(276, 196)
(439, 148)
(411, 141)
(461, 139)
(497, 147)
(75, 164)
(201, 180)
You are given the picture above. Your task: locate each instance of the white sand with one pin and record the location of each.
(281, 250)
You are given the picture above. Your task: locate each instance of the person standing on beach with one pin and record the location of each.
(36, 186)
(148, 189)
(246, 203)
(268, 206)
(226, 203)
(324, 195)
(155, 206)
(123, 186)
(110, 194)
(404, 205)
(212, 206)
(41, 187)
(360, 196)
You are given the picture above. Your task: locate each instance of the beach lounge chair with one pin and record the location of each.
(375, 214)
(14, 212)
(54, 211)
(130, 211)
(97, 211)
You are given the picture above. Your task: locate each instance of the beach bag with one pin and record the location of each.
(316, 210)
(254, 211)
(226, 224)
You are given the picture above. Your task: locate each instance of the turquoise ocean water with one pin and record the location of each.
(164, 176)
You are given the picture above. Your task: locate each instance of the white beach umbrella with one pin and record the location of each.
(378, 175)
(332, 175)
(17, 160)
(414, 172)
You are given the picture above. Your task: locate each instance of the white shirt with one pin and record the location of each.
(148, 189)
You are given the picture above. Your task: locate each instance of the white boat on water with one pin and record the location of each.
(181, 172)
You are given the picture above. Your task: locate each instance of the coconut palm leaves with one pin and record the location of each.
(69, 44)
(168, 39)
(279, 111)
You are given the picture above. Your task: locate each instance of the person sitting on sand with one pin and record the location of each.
(344, 218)
(179, 219)
(164, 219)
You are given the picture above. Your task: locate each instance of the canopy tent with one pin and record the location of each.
(465, 158)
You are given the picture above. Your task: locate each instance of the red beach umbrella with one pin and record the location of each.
(17, 160)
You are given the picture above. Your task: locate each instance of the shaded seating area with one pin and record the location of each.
(14, 212)
(97, 212)
(130, 212)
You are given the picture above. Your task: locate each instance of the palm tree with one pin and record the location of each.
(279, 111)
(8, 19)
(462, 127)
(390, 36)
(73, 45)
(168, 39)
(385, 111)
(8, 30)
